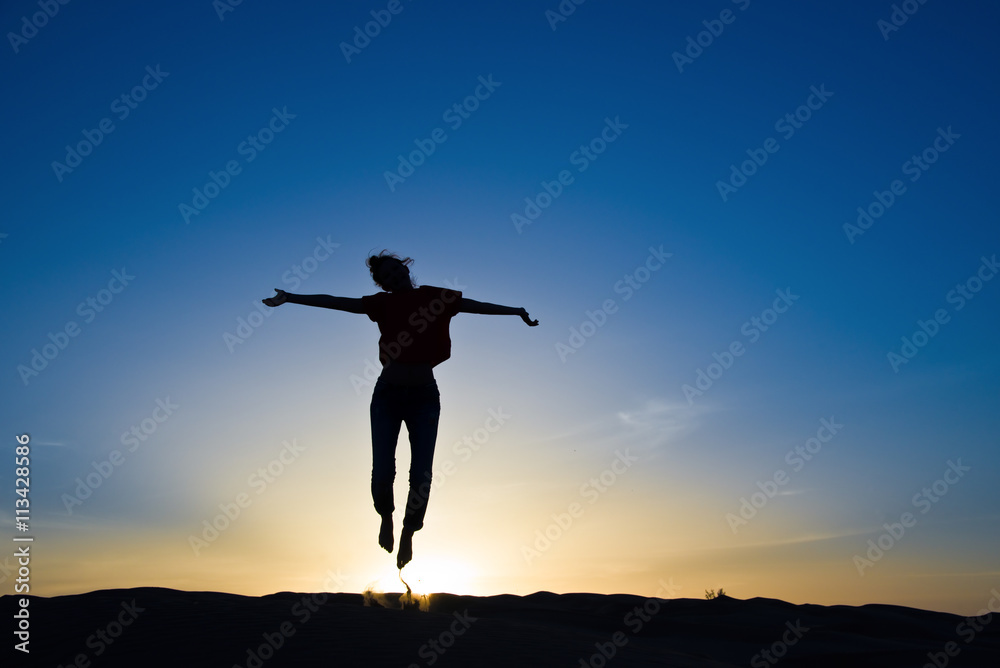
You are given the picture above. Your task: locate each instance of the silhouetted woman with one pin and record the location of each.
(413, 322)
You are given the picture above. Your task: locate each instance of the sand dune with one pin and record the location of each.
(151, 626)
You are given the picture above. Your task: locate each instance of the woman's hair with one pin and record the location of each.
(375, 261)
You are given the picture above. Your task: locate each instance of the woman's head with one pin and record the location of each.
(391, 272)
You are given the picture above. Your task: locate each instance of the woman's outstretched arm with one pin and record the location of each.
(485, 308)
(349, 304)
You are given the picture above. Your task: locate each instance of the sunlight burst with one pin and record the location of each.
(439, 576)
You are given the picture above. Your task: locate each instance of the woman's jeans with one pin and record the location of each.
(419, 406)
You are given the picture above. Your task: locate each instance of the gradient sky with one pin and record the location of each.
(636, 480)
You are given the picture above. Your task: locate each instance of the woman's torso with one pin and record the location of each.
(407, 373)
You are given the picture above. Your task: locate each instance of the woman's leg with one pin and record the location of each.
(386, 420)
(422, 424)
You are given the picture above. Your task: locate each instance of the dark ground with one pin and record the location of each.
(151, 626)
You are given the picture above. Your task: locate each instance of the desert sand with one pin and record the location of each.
(151, 626)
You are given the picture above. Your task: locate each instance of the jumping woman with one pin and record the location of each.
(413, 322)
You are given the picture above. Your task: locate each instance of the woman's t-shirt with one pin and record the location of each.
(414, 323)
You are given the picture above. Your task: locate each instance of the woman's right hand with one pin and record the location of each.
(277, 300)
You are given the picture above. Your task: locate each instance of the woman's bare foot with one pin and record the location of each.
(385, 533)
(405, 548)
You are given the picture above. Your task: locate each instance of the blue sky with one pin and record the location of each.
(308, 136)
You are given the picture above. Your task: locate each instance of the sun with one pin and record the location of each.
(440, 576)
